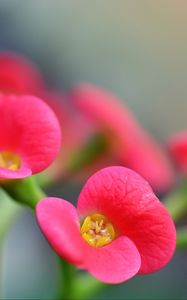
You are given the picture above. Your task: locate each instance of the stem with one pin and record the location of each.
(92, 149)
(176, 203)
(86, 286)
(26, 191)
(76, 285)
(67, 277)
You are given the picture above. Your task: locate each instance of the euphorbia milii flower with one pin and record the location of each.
(76, 130)
(29, 136)
(130, 143)
(119, 229)
(178, 149)
(18, 75)
(82, 152)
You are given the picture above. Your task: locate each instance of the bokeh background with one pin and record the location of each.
(136, 48)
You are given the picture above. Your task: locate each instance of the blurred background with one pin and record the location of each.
(136, 48)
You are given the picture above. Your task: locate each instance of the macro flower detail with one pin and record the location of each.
(9, 160)
(130, 143)
(118, 230)
(178, 148)
(30, 136)
(97, 231)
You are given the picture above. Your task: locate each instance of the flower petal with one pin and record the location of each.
(15, 174)
(59, 222)
(29, 128)
(178, 148)
(18, 75)
(154, 235)
(131, 144)
(129, 203)
(114, 263)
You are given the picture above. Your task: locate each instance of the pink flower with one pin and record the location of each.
(178, 149)
(119, 229)
(18, 75)
(29, 136)
(131, 144)
(76, 131)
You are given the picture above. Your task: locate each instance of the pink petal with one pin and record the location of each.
(114, 263)
(60, 224)
(10, 174)
(129, 203)
(154, 235)
(130, 142)
(148, 159)
(29, 128)
(19, 75)
(178, 149)
(76, 133)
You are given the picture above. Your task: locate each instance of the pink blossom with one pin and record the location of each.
(75, 130)
(119, 229)
(30, 136)
(178, 149)
(130, 143)
(18, 75)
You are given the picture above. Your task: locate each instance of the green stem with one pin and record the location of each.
(176, 203)
(92, 149)
(25, 191)
(66, 282)
(74, 284)
(86, 286)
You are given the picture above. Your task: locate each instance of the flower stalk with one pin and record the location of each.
(25, 191)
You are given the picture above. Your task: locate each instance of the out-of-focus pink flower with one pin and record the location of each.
(76, 130)
(119, 229)
(130, 143)
(18, 75)
(29, 136)
(178, 149)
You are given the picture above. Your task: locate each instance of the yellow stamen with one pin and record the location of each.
(97, 231)
(102, 241)
(9, 160)
(99, 217)
(89, 238)
(87, 225)
(110, 229)
(97, 227)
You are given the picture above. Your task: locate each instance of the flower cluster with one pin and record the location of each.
(130, 143)
(30, 136)
(120, 228)
(86, 111)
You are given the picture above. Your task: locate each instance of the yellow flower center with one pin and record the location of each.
(9, 160)
(97, 231)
